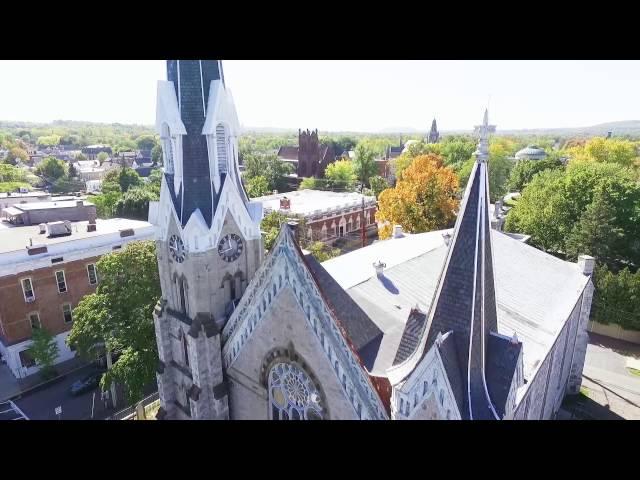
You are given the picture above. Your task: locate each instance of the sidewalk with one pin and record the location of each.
(11, 387)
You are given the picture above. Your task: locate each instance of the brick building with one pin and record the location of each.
(328, 215)
(310, 158)
(42, 212)
(43, 276)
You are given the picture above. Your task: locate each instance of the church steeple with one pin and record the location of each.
(465, 300)
(434, 135)
(198, 127)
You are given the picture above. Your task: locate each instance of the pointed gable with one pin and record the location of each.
(345, 333)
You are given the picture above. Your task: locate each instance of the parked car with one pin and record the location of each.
(87, 384)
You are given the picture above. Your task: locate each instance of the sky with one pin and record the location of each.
(342, 95)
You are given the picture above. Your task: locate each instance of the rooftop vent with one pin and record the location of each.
(397, 231)
(58, 229)
(447, 238)
(43, 228)
(379, 267)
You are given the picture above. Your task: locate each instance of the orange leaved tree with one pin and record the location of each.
(423, 200)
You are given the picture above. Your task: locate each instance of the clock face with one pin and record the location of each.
(230, 247)
(176, 249)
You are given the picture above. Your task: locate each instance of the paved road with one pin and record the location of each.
(41, 404)
(607, 378)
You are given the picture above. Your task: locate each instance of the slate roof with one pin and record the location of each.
(502, 361)
(361, 331)
(288, 152)
(449, 356)
(410, 336)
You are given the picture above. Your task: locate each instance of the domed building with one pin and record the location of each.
(531, 152)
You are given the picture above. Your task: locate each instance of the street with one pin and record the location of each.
(607, 379)
(41, 404)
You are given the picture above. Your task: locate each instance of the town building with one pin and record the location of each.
(75, 210)
(89, 170)
(310, 158)
(466, 323)
(9, 199)
(531, 152)
(327, 215)
(434, 135)
(43, 276)
(92, 151)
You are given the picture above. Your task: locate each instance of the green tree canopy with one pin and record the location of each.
(53, 168)
(119, 314)
(102, 156)
(44, 351)
(127, 178)
(341, 175)
(146, 142)
(378, 184)
(48, 141)
(524, 170)
(617, 298)
(16, 153)
(364, 164)
(258, 186)
(552, 205)
(268, 166)
(134, 203)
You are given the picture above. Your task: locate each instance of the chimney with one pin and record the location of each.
(586, 264)
(285, 203)
(397, 231)
(379, 268)
(43, 228)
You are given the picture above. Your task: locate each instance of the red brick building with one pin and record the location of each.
(328, 215)
(43, 276)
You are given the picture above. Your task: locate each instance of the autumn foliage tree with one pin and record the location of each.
(423, 200)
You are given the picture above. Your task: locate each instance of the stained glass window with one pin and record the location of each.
(293, 395)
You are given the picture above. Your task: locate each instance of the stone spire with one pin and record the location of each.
(482, 151)
(434, 136)
(465, 301)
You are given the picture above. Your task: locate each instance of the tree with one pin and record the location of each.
(555, 200)
(48, 141)
(596, 233)
(268, 166)
(67, 185)
(524, 170)
(134, 203)
(603, 150)
(82, 157)
(146, 142)
(127, 178)
(340, 175)
(119, 314)
(102, 156)
(322, 251)
(378, 185)
(258, 186)
(156, 154)
(423, 200)
(72, 173)
(15, 154)
(44, 351)
(111, 181)
(270, 225)
(53, 168)
(364, 164)
(310, 183)
(105, 203)
(617, 298)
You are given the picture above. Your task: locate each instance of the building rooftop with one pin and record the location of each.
(531, 151)
(25, 195)
(535, 292)
(306, 202)
(52, 205)
(18, 238)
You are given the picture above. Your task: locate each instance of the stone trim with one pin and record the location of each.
(182, 369)
(184, 409)
(220, 391)
(179, 316)
(160, 367)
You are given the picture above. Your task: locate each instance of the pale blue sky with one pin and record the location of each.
(339, 95)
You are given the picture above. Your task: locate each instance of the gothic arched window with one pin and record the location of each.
(167, 149)
(292, 394)
(221, 148)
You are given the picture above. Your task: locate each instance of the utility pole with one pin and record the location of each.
(363, 226)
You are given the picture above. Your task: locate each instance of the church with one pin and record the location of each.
(461, 324)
